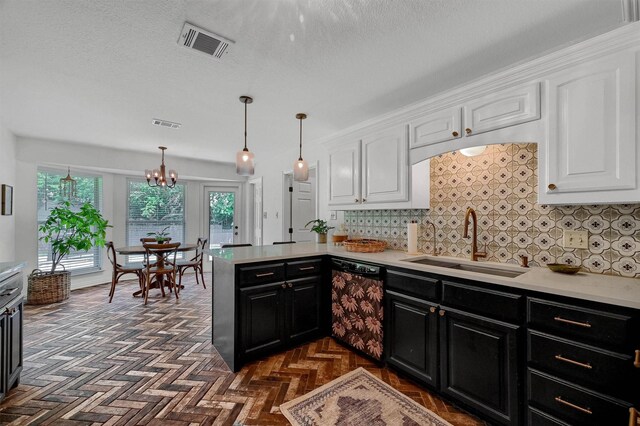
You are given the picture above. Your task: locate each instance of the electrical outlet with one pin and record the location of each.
(334, 215)
(575, 239)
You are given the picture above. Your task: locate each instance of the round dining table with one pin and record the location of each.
(140, 250)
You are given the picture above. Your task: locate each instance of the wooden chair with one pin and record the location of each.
(163, 265)
(195, 262)
(275, 243)
(122, 269)
(235, 245)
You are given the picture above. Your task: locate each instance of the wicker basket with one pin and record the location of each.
(365, 245)
(47, 287)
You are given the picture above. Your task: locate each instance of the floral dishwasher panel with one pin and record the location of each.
(356, 309)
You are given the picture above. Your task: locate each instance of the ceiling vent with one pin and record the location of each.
(165, 123)
(196, 38)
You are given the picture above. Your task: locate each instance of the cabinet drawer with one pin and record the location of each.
(604, 371)
(574, 404)
(538, 418)
(491, 303)
(258, 274)
(304, 268)
(412, 285)
(574, 322)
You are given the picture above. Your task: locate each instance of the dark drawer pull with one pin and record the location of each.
(570, 361)
(306, 268)
(266, 274)
(574, 406)
(636, 362)
(578, 323)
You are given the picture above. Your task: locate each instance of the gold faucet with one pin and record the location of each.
(475, 254)
(435, 243)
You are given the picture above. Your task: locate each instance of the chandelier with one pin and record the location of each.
(159, 175)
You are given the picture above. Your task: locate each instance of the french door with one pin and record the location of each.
(221, 204)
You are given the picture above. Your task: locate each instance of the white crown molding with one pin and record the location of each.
(622, 38)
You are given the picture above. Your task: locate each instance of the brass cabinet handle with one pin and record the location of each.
(283, 285)
(289, 285)
(266, 274)
(578, 323)
(636, 362)
(306, 268)
(571, 361)
(432, 309)
(442, 312)
(574, 406)
(633, 417)
(468, 130)
(455, 134)
(552, 186)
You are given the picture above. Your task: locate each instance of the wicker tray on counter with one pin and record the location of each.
(364, 245)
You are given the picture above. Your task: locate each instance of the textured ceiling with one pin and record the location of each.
(98, 71)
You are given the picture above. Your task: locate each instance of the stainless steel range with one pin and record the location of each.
(356, 306)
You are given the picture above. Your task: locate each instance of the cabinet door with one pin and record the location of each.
(303, 305)
(436, 127)
(591, 146)
(411, 332)
(479, 364)
(14, 344)
(502, 109)
(385, 166)
(262, 316)
(344, 174)
(4, 347)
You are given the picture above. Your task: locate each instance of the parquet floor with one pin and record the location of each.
(88, 362)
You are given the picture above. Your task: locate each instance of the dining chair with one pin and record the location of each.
(235, 245)
(275, 243)
(195, 262)
(165, 265)
(120, 269)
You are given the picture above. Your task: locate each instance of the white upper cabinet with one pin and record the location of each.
(344, 174)
(502, 109)
(385, 166)
(590, 153)
(436, 127)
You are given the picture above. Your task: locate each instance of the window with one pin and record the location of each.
(89, 190)
(152, 209)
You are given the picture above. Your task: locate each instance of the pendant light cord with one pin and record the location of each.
(300, 140)
(245, 125)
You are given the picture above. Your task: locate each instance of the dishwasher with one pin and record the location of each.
(357, 306)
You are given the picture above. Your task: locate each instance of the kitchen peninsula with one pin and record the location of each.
(454, 328)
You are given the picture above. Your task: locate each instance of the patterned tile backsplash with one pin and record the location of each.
(501, 185)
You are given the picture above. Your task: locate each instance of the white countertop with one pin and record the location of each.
(593, 287)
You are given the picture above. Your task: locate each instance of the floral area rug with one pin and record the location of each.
(358, 398)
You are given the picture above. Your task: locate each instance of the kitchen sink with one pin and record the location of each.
(464, 267)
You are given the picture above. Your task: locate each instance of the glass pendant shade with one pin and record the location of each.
(472, 152)
(300, 170)
(244, 163)
(244, 158)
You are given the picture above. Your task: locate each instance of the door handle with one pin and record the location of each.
(636, 362)
(574, 406)
(266, 274)
(578, 323)
(574, 362)
(306, 268)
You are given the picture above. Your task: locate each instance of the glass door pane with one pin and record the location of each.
(222, 223)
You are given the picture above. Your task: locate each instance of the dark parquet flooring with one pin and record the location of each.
(88, 362)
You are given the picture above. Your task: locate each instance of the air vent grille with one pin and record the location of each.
(204, 41)
(165, 123)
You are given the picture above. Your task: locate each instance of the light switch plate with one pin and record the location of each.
(575, 239)
(334, 215)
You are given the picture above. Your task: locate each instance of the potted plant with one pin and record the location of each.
(319, 227)
(66, 230)
(160, 236)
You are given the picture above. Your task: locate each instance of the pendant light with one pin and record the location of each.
(68, 186)
(300, 167)
(244, 158)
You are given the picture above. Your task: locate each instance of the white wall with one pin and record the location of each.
(115, 166)
(7, 177)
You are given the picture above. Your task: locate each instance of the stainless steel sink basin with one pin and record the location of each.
(464, 267)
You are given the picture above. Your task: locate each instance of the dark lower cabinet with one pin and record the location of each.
(479, 364)
(10, 346)
(412, 336)
(279, 314)
(262, 318)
